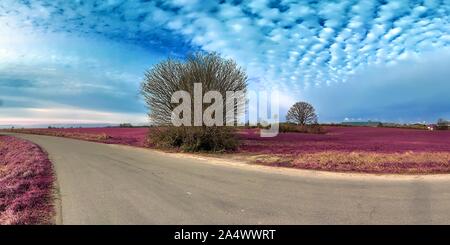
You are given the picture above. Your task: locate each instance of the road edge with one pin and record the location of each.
(56, 193)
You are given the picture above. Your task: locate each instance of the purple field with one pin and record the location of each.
(353, 149)
(122, 136)
(26, 182)
(348, 139)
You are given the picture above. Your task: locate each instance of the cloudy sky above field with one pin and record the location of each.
(82, 61)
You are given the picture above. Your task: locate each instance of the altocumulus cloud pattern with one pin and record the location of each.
(315, 50)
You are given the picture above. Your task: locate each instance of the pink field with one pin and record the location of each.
(348, 139)
(122, 136)
(26, 182)
(353, 149)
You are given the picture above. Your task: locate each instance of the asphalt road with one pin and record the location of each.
(110, 184)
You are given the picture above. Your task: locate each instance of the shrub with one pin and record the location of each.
(192, 139)
(309, 129)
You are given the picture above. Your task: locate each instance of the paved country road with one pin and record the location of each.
(111, 184)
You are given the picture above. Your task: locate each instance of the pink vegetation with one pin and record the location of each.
(122, 136)
(348, 139)
(26, 182)
(353, 149)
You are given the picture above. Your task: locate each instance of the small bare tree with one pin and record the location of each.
(214, 74)
(302, 113)
(170, 76)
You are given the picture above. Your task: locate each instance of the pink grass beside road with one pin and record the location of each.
(362, 162)
(26, 182)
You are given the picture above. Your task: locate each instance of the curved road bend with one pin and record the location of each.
(110, 184)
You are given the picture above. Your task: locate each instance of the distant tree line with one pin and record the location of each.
(125, 125)
(443, 124)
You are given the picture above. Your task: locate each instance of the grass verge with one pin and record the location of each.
(26, 183)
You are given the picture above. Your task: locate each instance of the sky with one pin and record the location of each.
(83, 61)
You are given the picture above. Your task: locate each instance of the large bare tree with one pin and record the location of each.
(302, 113)
(164, 79)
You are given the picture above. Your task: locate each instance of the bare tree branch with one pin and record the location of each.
(167, 77)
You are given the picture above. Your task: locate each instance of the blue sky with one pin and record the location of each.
(82, 61)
